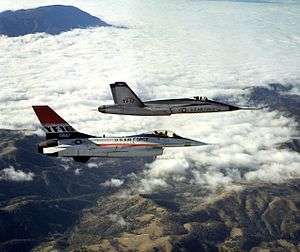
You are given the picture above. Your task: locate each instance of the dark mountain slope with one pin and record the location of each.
(258, 216)
(32, 211)
(53, 20)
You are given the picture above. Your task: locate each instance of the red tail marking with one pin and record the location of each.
(47, 115)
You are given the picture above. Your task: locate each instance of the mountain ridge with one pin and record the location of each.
(52, 19)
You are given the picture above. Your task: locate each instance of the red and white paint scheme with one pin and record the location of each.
(63, 140)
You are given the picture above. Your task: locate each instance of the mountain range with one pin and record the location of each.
(53, 19)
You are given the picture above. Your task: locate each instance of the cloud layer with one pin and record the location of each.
(113, 183)
(171, 49)
(10, 174)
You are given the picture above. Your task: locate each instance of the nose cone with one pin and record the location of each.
(190, 142)
(102, 108)
(232, 108)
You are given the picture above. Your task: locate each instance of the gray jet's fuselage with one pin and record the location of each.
(168, 107)
(128, 103)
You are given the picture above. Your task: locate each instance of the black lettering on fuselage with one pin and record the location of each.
(62, 128)
(69, 128)
(58, 128)
(136, 139)
(55, 128)
(64, 135)
(48, 128)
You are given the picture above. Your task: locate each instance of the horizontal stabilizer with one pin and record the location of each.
(52, 150)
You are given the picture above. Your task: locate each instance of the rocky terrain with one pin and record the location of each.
(47, 204)
(53, 20)
(277, 96)
(50, 204)
(256, 217)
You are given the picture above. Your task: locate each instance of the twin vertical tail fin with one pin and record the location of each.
(123, 95)
(54, 125)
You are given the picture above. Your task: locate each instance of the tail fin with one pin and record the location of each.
(55, 126)
(123, 95)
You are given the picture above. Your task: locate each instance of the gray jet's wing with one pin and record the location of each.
(123, 95)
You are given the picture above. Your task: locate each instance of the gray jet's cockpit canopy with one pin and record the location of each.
(200, 98)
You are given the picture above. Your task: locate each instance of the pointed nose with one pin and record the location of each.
(191, 142)
(232, 108)
(102, 108)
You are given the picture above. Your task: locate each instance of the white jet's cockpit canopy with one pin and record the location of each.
(165, 133)
(159, 133)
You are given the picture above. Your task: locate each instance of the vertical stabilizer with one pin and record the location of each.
(123, 95)
(54, 125)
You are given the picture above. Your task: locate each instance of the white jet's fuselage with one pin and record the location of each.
(148, 144)
(62, 140)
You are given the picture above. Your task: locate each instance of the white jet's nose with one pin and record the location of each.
(191, 142)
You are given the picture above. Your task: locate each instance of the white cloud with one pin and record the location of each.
(65, 166)
(125, 194)
(113, 183)
(77, 171)
(149, 184)
(166, 167)
(92, 165)
(118, 219)
(276, 166)
(243, 153)
(11, 174)
(212, 179)
(218, 49)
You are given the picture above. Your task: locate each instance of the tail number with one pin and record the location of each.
(128, 100)
(58, 128)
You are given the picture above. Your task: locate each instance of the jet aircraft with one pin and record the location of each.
(128, 103)
(62, 140)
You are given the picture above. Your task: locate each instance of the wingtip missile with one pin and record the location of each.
(232, 108)
(253, 108)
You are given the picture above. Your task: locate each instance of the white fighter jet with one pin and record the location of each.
(62, 140)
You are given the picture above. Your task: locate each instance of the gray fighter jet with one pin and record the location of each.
(128, 103)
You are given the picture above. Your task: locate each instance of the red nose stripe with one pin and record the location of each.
(47, 115)
(126, 145)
